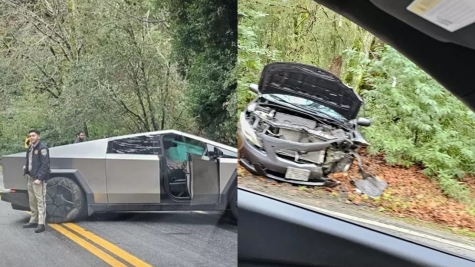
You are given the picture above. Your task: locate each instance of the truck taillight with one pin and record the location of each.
(12, 190)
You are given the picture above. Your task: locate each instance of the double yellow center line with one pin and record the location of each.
(78, 235)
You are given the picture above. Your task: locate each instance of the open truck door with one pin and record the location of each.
(203, 179)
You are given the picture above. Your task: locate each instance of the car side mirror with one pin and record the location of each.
(363, 122)
(254, 87)
(217, 152)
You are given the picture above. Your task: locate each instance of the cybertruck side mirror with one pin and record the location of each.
(254, 87)
(218, 152)
(365, 122)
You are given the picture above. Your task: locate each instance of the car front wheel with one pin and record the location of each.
(65, 201)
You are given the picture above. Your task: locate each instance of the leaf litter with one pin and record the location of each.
(410, 193)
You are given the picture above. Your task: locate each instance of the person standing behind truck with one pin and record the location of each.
(80, 137)
(37, 171)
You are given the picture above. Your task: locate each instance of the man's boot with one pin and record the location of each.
(30, 225)
(40, 228)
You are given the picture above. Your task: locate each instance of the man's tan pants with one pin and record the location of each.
(37, 199)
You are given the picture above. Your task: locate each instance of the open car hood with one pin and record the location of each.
(312, 83)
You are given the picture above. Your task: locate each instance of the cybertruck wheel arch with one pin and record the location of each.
(76, 176)
(65, 200)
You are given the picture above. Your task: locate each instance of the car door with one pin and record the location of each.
(203, 178)
(132, 170)
(227, 161)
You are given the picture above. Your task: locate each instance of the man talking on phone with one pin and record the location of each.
(37, 171)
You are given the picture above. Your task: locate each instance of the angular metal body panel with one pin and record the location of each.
(119, 179)
(226, 169)
(133, 178)
(88, 158)
(12, 168)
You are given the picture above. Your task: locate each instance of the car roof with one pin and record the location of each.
(449, 57)
(179, 133)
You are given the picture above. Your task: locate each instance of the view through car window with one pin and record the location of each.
(127, 129)
(403, 166)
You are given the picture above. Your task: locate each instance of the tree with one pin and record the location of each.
(204, 45)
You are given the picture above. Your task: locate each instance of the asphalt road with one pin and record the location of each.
(150, 239)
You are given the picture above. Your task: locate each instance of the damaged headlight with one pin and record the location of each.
(247, 130)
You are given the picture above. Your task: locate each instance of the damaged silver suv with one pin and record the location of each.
(302, 126)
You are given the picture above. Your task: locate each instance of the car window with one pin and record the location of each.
(194, 146)
(140, 145)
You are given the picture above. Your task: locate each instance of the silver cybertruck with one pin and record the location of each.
(155, 171)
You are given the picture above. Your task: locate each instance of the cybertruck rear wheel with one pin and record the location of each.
(65, 201)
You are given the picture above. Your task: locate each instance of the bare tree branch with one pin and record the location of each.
(119, 101)
(54, 40)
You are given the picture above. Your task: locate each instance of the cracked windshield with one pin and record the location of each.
(118, 133)
(334, 119)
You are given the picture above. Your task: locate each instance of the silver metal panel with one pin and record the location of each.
(226, 169)
(204, 180)
(92, 170)
(129, 179)
(133, 178)
(89, 149)
(87, 157)
(13, 172)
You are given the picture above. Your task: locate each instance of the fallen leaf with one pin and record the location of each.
(357, 200)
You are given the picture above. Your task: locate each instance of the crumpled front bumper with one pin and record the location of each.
(265, 161)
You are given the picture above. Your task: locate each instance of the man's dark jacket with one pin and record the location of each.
(40, 168)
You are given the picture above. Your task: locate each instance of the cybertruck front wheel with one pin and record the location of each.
(65, 201)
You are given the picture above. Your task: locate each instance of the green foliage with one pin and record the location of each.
(415, 120)
(114, 67)
(296, 31)
(205, 46)
(251, 58)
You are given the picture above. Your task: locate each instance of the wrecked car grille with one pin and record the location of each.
(316, 157)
